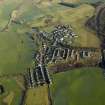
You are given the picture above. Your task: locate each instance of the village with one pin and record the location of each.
(52, 52)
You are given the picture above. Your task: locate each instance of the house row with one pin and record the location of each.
(38, 76)
(72, 53)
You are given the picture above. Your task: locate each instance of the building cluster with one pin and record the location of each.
(62, 32)
(38, 76)
(57, 35)
(75, 54)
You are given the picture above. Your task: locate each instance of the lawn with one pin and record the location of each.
(85, 86)
(37, 96)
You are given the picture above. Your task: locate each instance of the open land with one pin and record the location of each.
(83, 86)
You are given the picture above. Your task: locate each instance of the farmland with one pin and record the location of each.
(84, 86)
(20, 47)
(39, 95)
(79, 87)
(13, 89)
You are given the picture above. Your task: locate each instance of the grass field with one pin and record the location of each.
(13, 91)
(77, 18)
(37, 96)
(15, 55)
(79, 87)
(16, 47)
(84, 86)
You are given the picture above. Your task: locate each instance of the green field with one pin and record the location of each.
(15, 55)
(13, 91)
(84, 86)
(39, 94)
(16, 47)
(79, 87)
(77, 18)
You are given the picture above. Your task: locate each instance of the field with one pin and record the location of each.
(13, 91)
(84, 86)
(39, 95)
(76, 17)
(15, 46)
(15, 56)
(79, 87)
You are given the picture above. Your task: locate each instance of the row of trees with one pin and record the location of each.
(97, 23)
